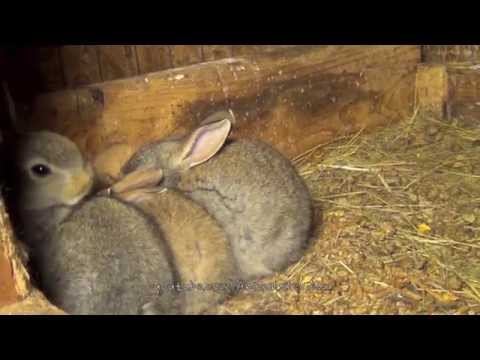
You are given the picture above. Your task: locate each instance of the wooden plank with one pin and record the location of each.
(8, 293)
(255, 51)
(117, 61)
(464, 92)
(245, 50)
(153, 58)
(183, 55)
(50, 68)
(14, 278)
(449, 91)
(451, 54)
(216, 52)
(307, 96)
(432, 89)
(80, 65)
(34, 304)
(295, 110)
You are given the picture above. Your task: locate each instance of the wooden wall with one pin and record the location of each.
(293, 97)
(30, 71)
(451, 54)
(68, 67)
(450, 77)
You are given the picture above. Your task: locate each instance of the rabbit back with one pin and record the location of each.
(201, 252)
(260, 201)
(105, 258)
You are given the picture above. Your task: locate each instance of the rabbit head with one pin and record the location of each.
(108, 163)
(50, 171)
(178, 155)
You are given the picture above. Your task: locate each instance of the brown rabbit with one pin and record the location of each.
(108, 163)
(248, 187)
(201, 253)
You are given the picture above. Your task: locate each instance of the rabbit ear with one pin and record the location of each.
(135, 196)
(219, 115)
(140, 195)
(204, 142)
(138, 179)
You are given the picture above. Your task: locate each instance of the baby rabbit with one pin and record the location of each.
(201, 252)
(248, 187)
(94, 256)
(108, 163)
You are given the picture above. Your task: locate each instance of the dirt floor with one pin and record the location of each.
(400, 232)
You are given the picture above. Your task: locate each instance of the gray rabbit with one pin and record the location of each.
(94, 255)
(201, 252)
(248, 187)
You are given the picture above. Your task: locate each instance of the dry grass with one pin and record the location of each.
(400, 229)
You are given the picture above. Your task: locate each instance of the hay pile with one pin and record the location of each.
(400, 232)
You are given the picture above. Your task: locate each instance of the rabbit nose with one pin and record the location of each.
(79, 185)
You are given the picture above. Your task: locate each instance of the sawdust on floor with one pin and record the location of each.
(400, 229)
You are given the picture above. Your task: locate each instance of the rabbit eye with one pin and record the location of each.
(41, 170)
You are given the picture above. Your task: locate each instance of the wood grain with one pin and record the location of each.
(183, 55)
(451, 54)
(216, 52)
(80, 64)
(8, 294)
(14, 279)
(117, 61)
(255, 51)
(432, 89)
(153, 58)
(464, 92)
(304, 97)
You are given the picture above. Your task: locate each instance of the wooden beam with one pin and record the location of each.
(449, 89)
(183, 55)
(306, 96)
(80, 64)
(153, 58)
(255, 51)
(464, 92)
(432, 89)
(216, 52)
(14, 279)
(451, 54)
(8, 293)
(117, 61)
